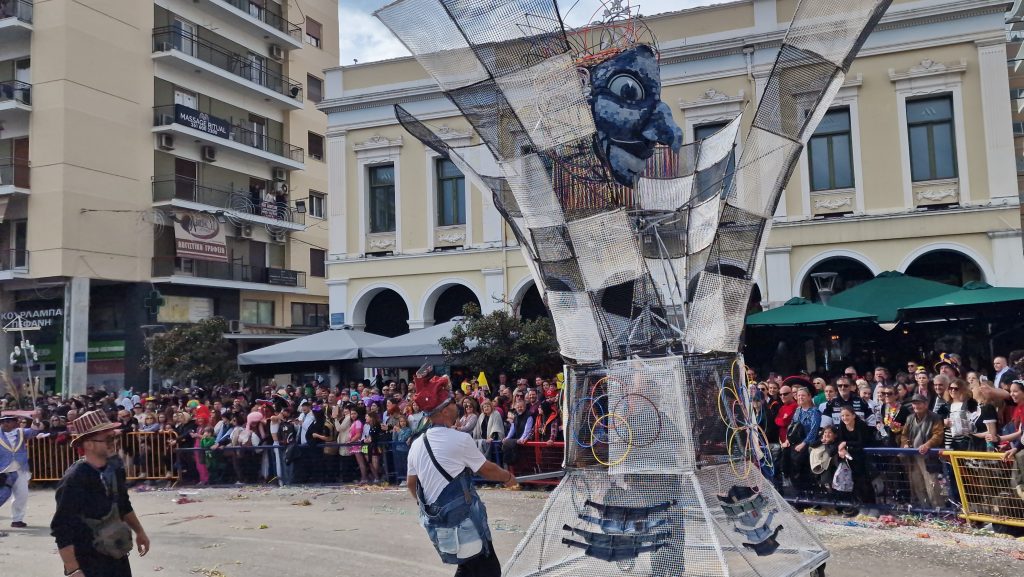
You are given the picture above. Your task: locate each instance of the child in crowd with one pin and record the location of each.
(401, 440)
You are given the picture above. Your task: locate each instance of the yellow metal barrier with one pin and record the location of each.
(145, 455)
(983, 480)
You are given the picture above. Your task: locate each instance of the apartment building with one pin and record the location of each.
(169, 147)
(912, 169)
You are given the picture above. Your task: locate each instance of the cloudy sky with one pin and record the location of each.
(365, 39)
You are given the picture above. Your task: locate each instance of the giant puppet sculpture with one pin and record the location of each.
(645, 251)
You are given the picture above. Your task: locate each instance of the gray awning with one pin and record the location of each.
(411, 349)
(328, 346)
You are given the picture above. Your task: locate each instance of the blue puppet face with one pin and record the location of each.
(625, 97)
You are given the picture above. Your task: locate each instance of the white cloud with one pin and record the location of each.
(365, 39)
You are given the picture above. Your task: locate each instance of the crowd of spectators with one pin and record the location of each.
(313, 433)
(816, 424)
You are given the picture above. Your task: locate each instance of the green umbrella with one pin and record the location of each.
(972, 295)
(884, 295)
(798, 312)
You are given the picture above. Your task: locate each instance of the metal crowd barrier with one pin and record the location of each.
(536, 458)
(902, 479)
(983, 482)
(145, 455)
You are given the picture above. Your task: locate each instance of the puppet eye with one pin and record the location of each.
(626, 87)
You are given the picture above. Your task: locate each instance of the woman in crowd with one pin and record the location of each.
(373, 448)
(853, 436)
(802, 434)
(355, 440)
(986, 420)
(548, 423)
(874, 409)
(960, 423)
(342, 424)
(470, 416)
(893, 415)
(820, 391)
(489, 427)
(243, 441)
(1012, 430)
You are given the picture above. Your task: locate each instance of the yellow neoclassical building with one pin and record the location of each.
(913, 168)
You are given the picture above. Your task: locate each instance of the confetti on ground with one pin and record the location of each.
(185, 501)
(212, 546)
(302, 503)
(263, 526)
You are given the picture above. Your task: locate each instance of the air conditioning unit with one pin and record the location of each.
(165, 141)
(278, 237)
(235, 327)
(276, 52)
(209, 154)
(278, 174)
(280, 187)
(245, 230)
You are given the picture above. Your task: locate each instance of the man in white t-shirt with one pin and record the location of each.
(455, 452)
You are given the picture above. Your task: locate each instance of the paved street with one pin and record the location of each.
(343, 532)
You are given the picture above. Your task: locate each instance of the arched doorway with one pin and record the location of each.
(947, 267)
(850, 274)
(532, 305)
(450, 302)
(387, 315)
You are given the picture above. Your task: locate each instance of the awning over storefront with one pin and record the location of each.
(410, 350)
(975, 299)
(326, 347)
(884, 295)
(801, 312)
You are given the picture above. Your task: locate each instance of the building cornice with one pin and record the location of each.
(1010, 204)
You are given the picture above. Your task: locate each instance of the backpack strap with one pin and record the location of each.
(433, 459)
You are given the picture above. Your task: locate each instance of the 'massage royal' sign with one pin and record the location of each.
(201, 121)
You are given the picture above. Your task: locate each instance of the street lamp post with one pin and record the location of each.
(148, 332)
(825, 282)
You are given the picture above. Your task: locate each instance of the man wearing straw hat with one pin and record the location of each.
(94, 521)
(14, 463)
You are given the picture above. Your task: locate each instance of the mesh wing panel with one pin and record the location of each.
(794, 88)
(703, 223)
(716, 313)
(577, 331)
(607, 250)
(663, 194)
(834, 30)
(485, 107)
(427, 30)
(719, 145)
(561, 275)
(767, 162)
(552, 243)
(529, 181)
(510, 36)
(739, 235)
(548, 98)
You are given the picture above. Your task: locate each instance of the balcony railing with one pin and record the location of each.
(167, 188)
(17, 91)
(20, 9)
(275, 21)
(165, 266)
(243, 66)
(14, 172)
(13, 259)
(165, 115)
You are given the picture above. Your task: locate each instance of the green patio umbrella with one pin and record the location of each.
(973, 296)
(884, 295)
(801, 312)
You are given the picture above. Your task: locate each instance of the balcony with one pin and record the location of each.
(237, 206)
(191, 54)
(175, 270)
(13, 176)
(257, 20)
(15, 22)
(15, 100)
(219, 132)
(13, 264)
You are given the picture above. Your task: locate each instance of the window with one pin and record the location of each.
(317, 263)
(932, 142)
(830, 152)
(316, 146)
(316, 204)
(258, 312)
(313, 32)
(711, 178)
(314, 88)
(309, 315)
(382, 198)
(451, 194)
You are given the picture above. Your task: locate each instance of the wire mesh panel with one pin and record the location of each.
(607, 250)
(716, 312)
(528, 179)
(578, 335)
(664, 194)
(427, 30)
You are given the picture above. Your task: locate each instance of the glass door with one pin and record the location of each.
(185, 36)
(19, 243)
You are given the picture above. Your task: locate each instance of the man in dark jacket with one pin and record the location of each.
(924, 432)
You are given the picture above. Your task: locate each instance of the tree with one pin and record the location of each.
(499, 342)
(196, 352)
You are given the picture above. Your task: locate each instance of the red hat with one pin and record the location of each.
(432, 394)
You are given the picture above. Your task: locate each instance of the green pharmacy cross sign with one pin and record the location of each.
(153, 301)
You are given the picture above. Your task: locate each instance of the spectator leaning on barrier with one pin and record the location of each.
(802, 435)
(923, 431)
